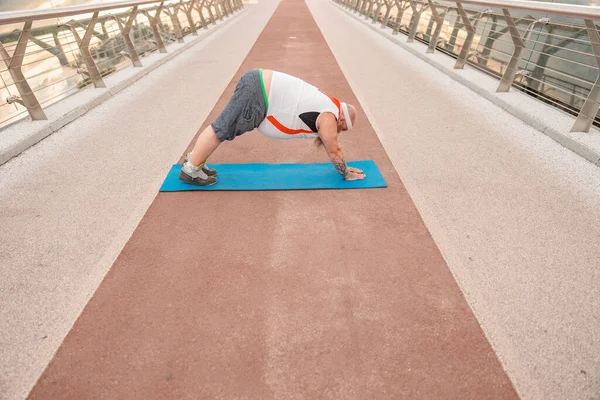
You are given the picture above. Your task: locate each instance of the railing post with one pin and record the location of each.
(439, 23)
(402, 6)
(61, 52)
(14, 65)
(217, 9)
(175, 21)
(399, 14)
(126, 31)
(154, 25)
(187, 10)
(363, 7)
(215, 4)
(84, 48)
(388, 10)
(55, 50)
(210, 13)
(227, 8)
(416, 17)
(376, 14)
(588, 112)
(224, 8)
(199, 4)
(220, 9)
(511, 70)
(369, 9)
(464, 52)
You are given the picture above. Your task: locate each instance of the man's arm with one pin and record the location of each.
(328, 135)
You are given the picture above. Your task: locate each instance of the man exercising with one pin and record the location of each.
(281, 107)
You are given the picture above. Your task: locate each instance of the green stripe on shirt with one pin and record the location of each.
(262, 84)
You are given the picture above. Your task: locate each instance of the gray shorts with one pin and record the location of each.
(246, 108)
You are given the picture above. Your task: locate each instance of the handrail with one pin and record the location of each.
(567, 10)
(14, 62)
(589, 14)
(11, 17)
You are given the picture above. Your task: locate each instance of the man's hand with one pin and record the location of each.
(328, 134)
(353, 174)
(355, 170)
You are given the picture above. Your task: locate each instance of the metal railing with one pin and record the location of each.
(550, 51)
(46, 61)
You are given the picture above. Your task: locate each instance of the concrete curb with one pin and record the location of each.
(72, 115)
(579, 148)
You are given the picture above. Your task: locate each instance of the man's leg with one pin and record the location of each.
(243, 113)
(193, 170)
(206, 144)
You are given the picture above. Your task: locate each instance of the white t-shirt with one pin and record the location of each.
(294, 108)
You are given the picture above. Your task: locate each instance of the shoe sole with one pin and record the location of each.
(188, 179)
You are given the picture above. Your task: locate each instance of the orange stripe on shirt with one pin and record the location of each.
(338, 105)
(284, 128)
(336, 102)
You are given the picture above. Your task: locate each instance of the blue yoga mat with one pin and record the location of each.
(279, 177)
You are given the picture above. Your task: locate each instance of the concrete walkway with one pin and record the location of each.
(516, 215)
(280, 294)
(69, 204)
(484, 287)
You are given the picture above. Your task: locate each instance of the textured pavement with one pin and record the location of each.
(516, 215)
(69, 204)
(280, 294)
(474, 272)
